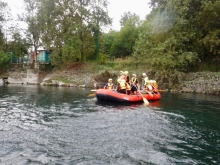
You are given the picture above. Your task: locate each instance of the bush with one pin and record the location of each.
(4, 60)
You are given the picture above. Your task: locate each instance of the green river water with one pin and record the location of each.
(60, 125)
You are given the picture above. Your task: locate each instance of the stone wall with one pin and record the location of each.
(202, 82)
(29, 76)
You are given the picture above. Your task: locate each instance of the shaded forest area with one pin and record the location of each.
(177, 37)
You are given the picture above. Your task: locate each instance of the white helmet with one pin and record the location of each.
(126, 73)
(134, 75)
(144, 74)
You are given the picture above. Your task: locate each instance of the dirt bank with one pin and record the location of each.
(78, 75)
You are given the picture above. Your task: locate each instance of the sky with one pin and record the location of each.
(116, 9)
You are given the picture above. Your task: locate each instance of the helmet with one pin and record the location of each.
(109, 79)
(144, 74)
(126, 72)
(121, 71)
(134, 75)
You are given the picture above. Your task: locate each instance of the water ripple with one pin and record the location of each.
(59, 126)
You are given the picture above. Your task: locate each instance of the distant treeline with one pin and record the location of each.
(177, 36)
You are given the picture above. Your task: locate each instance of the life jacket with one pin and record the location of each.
(134, 81)
(145, 80)
(121, 84)
(127, 79)
(122, 77)
(155, 87)
(128, 87)
(110, 86)
(149, 88)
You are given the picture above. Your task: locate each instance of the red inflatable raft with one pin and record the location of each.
(114, 96)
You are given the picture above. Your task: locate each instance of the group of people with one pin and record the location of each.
(131, 86)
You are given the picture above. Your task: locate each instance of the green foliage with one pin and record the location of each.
(104, 76)
(107, 40)
(4, 60)
(103, 58)
(3, 9)
(71, 50)
(124, 41)
(129, 17)
(17, 45)
(64, 80)
(3, 18)
(169, 78)
(33, 33)
(72, 28)
(169, 39)
(209, 65)
(208, 21)
(2, 42)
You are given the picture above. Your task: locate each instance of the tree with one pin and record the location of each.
(4, 17)
(209, 23)
(17, 45)
(99, 18)
(33, 33)
(128, 16)
(107, 41)
(168, 40)
(168, 37)
(124, 41)
(4, 60)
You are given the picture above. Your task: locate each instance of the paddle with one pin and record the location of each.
(160, 90)
(144, 99)
(91, 95)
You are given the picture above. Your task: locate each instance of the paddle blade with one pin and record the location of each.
(145, 101)
(92, 95)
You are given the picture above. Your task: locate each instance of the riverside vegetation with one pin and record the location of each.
(177, 43)
(91, 75)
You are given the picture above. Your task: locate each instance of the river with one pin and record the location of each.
(61, 125)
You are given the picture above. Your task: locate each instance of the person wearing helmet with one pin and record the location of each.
(127, 81)
(121, 75)
(134, 84)
(109, 85)
(121, 86)
(144, 80)
(126, 77)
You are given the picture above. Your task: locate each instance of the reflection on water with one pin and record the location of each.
(55, 125)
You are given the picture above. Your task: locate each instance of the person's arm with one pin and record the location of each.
(105, 86)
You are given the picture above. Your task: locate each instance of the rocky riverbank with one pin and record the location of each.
(197, 82)
(202, 82)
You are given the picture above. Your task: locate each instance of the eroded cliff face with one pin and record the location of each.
(202, 82)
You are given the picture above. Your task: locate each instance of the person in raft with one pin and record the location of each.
(121, 75)
(152, 87)
(121, 86)
(134, 84)
(126, 77)
(109, 85)
(145, 79)
(127, 83)
(148, 87)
